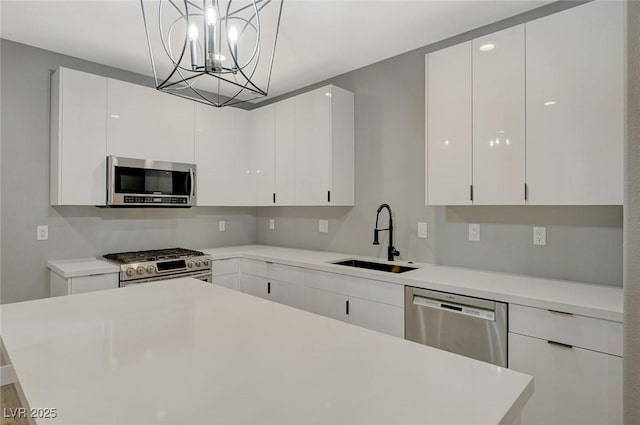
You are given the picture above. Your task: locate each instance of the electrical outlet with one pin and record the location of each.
(323, 226)
(42, 233)
(272, 224)
(474, 232)
(539, 235)
(222, 225)
(422, 230)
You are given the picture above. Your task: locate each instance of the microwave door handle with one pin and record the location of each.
(192, 182)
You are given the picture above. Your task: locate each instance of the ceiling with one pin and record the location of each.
(317, 39)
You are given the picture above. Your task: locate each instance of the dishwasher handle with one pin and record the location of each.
(454, 308)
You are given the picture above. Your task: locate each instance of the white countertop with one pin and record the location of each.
(599, 301)
(81, 267)
(591, 300)
(184, 351)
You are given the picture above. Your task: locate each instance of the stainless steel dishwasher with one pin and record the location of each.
(472, 327)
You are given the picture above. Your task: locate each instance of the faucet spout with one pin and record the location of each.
(391, 251)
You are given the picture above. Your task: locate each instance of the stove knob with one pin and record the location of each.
(140, 270)
(206, 263)
(190, 265)
(150, 269)
(198, 263)
(130, 272)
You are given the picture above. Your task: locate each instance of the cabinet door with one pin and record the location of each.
(313, 147)
(287, 293)
(147, 124)
(572, 385)
(329, 304)
(499, 118)
(379, 317)
(215, 155)
(575, 106)
(98, 282)
(262, 152)
(78, 138)
(244, 177)
(254, 285)
(285, 158)
(228, 281)
(342, 151)
(448, 147)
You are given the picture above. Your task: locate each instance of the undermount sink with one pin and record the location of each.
(384, 267)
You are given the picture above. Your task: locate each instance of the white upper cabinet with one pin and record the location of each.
(262, 154)
(575, 105)
(147, 124)
(285, 154)
(215, 154)
(324, 147)
(78, 138)
(313, 147)
(244, 178)
(448, 126)
(499, 118)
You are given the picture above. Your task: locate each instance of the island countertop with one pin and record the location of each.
(184, 351)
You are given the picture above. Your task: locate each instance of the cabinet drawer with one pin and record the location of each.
(228, 281)
(580, 331)
(373, 290)
(572, 386)
(99, 282)
(274, 271)
(222, 267)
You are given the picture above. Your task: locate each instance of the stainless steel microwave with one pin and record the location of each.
(145, 183)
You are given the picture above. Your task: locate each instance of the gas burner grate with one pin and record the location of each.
(151, 255)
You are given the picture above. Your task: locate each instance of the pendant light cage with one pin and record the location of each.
(217, 52)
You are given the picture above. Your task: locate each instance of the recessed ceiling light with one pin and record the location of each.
(115, 116)
(327, 94)
(446, 142)
(550, 103)
(487, 47)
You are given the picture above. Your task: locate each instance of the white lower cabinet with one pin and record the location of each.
(326, 303)
(368, 303)
(79, 284)
(225, 273)
(381, 317)
(577, 376)
(276, 282)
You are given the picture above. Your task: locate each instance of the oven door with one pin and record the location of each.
(200, 275)
(136, 182)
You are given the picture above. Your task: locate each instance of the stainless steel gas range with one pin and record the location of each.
(161, 264)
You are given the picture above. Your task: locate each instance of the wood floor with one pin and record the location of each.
(9, 399)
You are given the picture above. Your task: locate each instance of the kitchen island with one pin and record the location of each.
(185, 351)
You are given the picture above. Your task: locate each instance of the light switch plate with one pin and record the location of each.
(540, 236)
(222, 225)
(422, 230)
(272, 224)
(323, 226)
(42, 233)
(474, 232)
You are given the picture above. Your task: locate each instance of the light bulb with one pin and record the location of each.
(193, 32)
(211, 16)
(233, 35)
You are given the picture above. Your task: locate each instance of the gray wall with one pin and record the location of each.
(74, 231)
(632, 224)
(583, 243)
